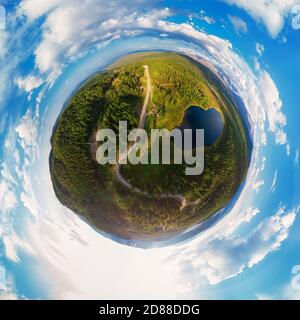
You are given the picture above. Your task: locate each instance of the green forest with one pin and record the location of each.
(94, 192)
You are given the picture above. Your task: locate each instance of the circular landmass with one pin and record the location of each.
(148, 201)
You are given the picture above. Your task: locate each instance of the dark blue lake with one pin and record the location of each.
(210, 120)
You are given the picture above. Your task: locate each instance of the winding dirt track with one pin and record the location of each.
(147, 99)
(142, 121)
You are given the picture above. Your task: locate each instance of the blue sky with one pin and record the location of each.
(48, 49)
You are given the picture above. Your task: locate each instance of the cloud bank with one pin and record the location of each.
(272, 13)
(79, 262)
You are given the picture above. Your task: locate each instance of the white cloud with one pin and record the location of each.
(3, 46)
(8, 295)
(27, 131)
(12, 243)
(272, 13)
(273, 104)
(206, 18)
(283, 39)
(263, 296)
(10, 249)
(256, 64)
(260, 49)
(8, 197)
(28, 197)
(29, 201)
(228, 255)
(29, 83)
(289, 293)
(87, 266)
(296, 159)
(273, 186)
(6, 292)
(288, 149)
(257, 184)
(4, 74)
(239, 25)
(33, 9)
(94, 21)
